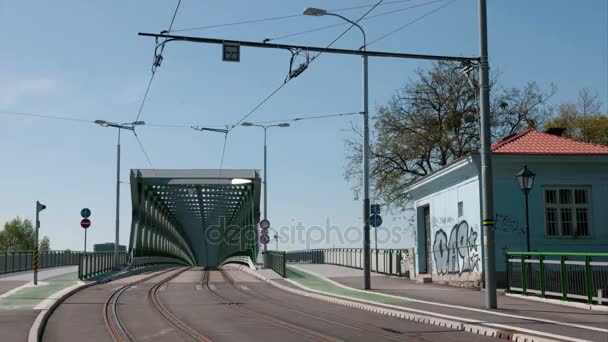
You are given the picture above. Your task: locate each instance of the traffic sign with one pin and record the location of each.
(264, 239)
(264, 224)
(85, 213)
(85, 223)
(375, 220)
(375, 209)
(231, 53)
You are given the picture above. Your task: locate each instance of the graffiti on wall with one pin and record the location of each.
(458, 253)
(508, 224)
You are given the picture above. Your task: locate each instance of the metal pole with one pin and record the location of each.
(366, 242)
(85, 240)
(36, 245)
(265, 258)
(527, 225)
(117, 201)
(486, 163)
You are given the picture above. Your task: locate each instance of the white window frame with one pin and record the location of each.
(572, 206)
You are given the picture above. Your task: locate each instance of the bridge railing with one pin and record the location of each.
(276, 261)
(567, 276)
(386, 261)
(18, 261)
(97, 263)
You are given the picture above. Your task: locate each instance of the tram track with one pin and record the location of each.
(314, 335)
(343, 323)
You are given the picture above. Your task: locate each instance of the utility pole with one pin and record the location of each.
(487, 198)
(39, 207)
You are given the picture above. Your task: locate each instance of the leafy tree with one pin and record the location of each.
(583, 120)
(45, 244)
(434, 120)
(18, 234)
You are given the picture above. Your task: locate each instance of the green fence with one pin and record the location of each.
(567, 276)
(276, 261)
(387, 261)
(94, 264)
(18, 261)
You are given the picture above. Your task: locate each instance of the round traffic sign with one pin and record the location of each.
(264, 224)
(375, 220)
(85, 223)
(264, 239)
(85, 213)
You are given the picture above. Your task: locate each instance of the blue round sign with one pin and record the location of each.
(85, 213)
(375, 220)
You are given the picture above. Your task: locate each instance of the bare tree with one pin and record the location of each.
(432, 121)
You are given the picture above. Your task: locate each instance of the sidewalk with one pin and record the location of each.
(452, 303)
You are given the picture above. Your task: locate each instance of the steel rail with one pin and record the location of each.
(182, 327)
(278, 322)
(111, 317)
(350, 324)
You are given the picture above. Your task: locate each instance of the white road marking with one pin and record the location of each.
(199, 287)
(244, 287)
(543, 320)
(212, 287)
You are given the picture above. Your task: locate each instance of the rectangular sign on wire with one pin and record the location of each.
(231, 53)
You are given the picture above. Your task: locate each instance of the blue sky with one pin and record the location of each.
(84, 59)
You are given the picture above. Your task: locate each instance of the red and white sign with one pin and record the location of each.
(264, 224)
(264, 239)
(85, 223)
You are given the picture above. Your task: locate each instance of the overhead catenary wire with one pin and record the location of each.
(156, 64)
(321, 28)
(289, 16)
(45, 116)
(410, 22)
(141, 146)
(311, 61)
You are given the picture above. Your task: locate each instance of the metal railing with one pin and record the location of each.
(386, 261)
(568, 276)
(276, 261)
(97, 263)
(19, 261)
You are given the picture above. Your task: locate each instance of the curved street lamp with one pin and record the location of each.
(525, 178)
(130, 126)
(317, 12)
(265, 127)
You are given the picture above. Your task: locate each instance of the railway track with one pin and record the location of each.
(118, 329)
(314, 335)
(342, 322)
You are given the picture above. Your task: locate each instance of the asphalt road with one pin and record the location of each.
(227, 306)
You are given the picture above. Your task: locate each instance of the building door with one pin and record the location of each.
(427, 239)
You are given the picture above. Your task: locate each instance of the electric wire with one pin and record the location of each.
(311, 61)
(145, 97)
(253, 21)
(44, 116)
(410, 22)
(141, 146)
(321, 28)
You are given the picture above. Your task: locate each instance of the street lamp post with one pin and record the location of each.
(276, 240)
(525, 178)
(283, 125)
(131, 127)
(317, 12)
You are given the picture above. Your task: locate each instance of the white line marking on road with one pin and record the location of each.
(48, 302)
(212, 287)
(198, 287)
(543, 320)
(19, 288)
(244, 287)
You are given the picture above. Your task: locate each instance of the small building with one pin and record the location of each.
(108, 247)
(568, 209)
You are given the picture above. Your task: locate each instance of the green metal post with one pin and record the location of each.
(541, 260)
(563, 276)
(523, 275)
(588, 280)
(508, 269)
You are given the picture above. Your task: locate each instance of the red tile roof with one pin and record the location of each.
(535, 142)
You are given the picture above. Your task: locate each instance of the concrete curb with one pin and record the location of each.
(405, 314)
(584, 306)
(37, 329)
